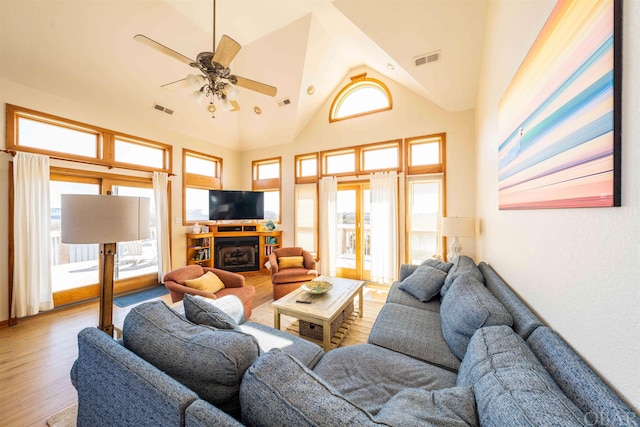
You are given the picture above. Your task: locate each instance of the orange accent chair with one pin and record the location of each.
(233, 285)
(286, 280)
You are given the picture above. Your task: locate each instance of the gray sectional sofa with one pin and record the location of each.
(453, 345)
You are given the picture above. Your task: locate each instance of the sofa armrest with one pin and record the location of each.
(203, 414)
(309, 261)
(229, 278)
(116, 387)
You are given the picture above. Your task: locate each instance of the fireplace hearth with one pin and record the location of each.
(236, 253)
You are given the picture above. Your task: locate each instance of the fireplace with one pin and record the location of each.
(236, 253)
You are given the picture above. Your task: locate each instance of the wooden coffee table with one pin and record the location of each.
(320, 309)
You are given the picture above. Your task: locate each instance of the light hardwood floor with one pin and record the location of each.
(36, 355)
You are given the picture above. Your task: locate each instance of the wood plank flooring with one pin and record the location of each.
(36, 355)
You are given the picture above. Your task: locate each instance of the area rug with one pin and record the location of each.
(65, 418)
(138, 297)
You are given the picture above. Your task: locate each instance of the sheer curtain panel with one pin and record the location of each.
(328, 212)
(384, 226)
(160, 195)
(32, 289)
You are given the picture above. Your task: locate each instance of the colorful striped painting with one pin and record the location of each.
(559, 140)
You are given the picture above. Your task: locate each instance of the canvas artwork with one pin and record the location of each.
(559, 119)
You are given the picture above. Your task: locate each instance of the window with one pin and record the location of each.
(361, 96)
(306, 168)
(425, 154)
(306, 221)
(337, 163)
(66, 139)
(381, 157)
(376, 157)
(424, 213)
(266, 177)
(200, 173)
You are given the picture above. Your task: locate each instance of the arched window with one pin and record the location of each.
(361, 96)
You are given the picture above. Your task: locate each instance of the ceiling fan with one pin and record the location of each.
(215, 80)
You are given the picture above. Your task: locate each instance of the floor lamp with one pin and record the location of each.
(456, 227)
(104, 220)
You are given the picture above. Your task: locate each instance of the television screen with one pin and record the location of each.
(227, 204)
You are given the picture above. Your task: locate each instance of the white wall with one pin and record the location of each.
(577, 268)
(411, 116)
(29, 98)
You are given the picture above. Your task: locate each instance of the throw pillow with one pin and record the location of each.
(447, 407)
(290, 261)
(510, 385)
(439, 264)
(467, 307)
(203, 311)
(424, 283)
(208, 282)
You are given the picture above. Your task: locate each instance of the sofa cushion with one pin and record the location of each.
(269, 338)
(466, 307)
(424, 283)
(510, 385)
(291, 262)
(209, 361)
(462, 265)
(208, 282)
(378, 374)
(414, 332)
(296, 396)
(449, 407)
(214, 312)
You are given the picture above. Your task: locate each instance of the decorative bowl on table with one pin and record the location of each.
(317, 287)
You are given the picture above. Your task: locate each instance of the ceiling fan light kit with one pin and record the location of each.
(216, 80)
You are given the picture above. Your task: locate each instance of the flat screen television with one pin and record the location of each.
(241, 205)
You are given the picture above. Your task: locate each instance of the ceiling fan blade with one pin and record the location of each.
(253, 85)
(177, 85)
(162, 48)
(226, 51)
(235, 105)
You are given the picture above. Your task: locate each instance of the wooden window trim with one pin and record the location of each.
(355, 83)
(397, 143)
(441, 138)
(298, 159)
(268, 184)
(197, 181)
(105, 141)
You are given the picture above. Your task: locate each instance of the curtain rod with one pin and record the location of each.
(87, 162)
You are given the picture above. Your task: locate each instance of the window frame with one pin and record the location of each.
(298, 159)
(197, 181)
(268, 184)
(105, 141)
(441, 139)
(358, 82)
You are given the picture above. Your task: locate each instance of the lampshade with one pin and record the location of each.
(457, 227)
(104, 219)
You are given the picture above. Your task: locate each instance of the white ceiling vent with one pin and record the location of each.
(427, 58)
(284, 102)
(159, 107)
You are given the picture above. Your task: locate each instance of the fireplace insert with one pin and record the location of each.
(236, 253)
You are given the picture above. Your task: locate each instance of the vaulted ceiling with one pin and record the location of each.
(84, 51)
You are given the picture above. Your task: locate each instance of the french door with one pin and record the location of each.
(353, 259)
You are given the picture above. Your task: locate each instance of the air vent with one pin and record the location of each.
(427, 58)
(159, 107)
(284, 102)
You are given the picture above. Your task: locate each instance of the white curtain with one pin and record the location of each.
(328, 213)
(160, 195)
(384, 227)
(32, 289)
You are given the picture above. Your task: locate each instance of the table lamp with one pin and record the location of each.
(456, 227)
(104, 219)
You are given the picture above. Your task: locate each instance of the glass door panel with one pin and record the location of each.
(72, 266)
(139, 257)
(353, 259)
